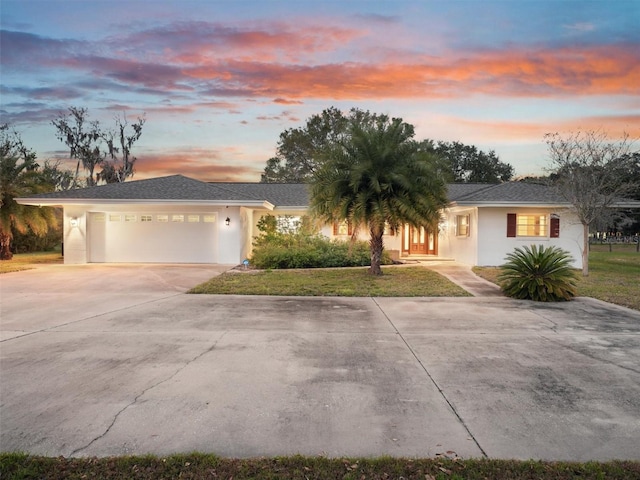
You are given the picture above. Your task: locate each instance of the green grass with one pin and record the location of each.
(613, 276)
(200, 466)
(26, 261)
(397, 281)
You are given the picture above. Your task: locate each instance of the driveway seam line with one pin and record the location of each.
(440, 391)
(49, 329)
(135, 400)
(592, 357)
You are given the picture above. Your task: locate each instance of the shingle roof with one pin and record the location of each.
(174, 187)
(510, 192)
(278, 194)
(181, 188)
(460, 190)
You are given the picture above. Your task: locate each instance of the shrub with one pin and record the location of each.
(285, 243)
(313, 252)
(538, 273)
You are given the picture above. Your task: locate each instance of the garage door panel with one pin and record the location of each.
(142, 238)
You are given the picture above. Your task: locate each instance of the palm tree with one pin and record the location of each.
(378, 177)
(20, 177)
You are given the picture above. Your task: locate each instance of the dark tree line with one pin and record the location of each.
(301, 151)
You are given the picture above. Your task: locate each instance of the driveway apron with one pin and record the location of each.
(111, 360)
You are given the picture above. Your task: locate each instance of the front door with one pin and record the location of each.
(419, 241)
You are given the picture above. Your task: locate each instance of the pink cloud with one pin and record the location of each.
(204, 164)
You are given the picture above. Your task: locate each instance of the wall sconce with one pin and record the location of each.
(227, 222)
(73, 222)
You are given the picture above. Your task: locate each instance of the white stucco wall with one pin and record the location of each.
(487, 243)
(493, 243)
(75, 237)
(463, 249)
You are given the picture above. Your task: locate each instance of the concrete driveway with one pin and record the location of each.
(110, 360)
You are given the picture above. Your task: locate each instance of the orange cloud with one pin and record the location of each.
(614, 125)
(284, 101)
(568, 71)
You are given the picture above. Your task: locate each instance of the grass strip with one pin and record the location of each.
(26, 261)
(207, 466)
(397, 281)
(613, 276)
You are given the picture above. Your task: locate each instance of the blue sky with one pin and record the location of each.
(219, 80)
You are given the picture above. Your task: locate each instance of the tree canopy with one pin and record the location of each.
(20, 176)
(378, 177)
(591, 172)
(467, 164)
(96, 147)
(301, 151)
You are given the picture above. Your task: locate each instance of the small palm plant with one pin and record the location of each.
(539, 273)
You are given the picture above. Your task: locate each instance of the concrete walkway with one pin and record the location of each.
(463, 276)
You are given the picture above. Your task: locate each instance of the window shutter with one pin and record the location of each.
(511, 224)
(555, 227)
(335, 228)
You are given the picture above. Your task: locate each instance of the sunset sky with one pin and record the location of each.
(219, 80)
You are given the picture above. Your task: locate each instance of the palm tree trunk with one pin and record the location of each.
(376, 244)
(5, 246)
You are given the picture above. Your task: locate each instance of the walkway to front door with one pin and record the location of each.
(419, 241)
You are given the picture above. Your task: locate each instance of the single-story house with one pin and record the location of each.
(177, 219)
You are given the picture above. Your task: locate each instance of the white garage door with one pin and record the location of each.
(151, 237)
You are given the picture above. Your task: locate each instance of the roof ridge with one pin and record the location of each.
(483, 189)
(243, 194)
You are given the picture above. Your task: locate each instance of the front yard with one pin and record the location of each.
(397, 281)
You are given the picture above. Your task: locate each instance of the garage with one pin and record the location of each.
(172, 219)
(150, 237)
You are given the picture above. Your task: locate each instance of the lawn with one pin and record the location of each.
(26, 261)
(397, 281)
(613, 276)
(201, 466)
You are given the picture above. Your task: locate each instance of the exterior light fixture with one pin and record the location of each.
(73, 222)
(227, 222)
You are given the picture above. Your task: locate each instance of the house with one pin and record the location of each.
(177, 219)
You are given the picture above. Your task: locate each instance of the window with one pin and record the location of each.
(288, 224)
(129, 218)
(98, 217)
(462, 225)
(388, 230)
(177, 218)
(162, 218)
(208, 218)
(533, 225)
(342, 228)
(114, 217)
(193, 218)
(146, 218)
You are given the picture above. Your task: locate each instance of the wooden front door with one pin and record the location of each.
(419, 241)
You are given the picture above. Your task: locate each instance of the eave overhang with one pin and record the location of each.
(510, 204)
(62, 202)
